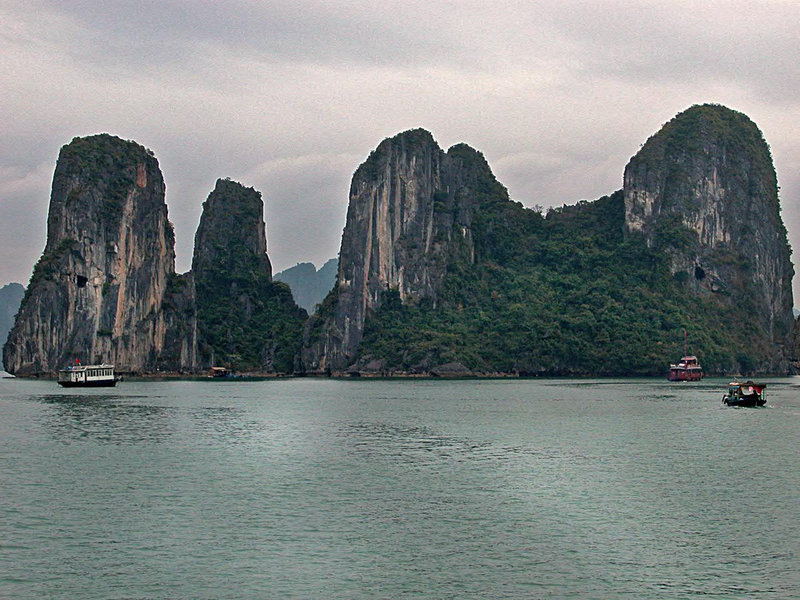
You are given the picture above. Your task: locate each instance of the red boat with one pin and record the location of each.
(688, 369)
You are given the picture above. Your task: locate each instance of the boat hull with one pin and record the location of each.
(747, 402)
(746, 394)
(71, 384)
(688, 369)
(685, 375)
(87, 376)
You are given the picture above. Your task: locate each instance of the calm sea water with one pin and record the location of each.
(312, 488)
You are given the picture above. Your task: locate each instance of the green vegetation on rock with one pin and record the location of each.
(249, 324)
(107, 165)
(246, 321)
(693, 242)
(46, 267)
(565, 294)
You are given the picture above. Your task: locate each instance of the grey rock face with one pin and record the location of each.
(96, 292)
(704, 190)
(180, 350)
(410, 212)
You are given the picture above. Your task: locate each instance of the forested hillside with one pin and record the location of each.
(561, 293)
(441, 272)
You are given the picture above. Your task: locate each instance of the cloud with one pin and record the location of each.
(290, 96)
(311, 204)
(553, 179)
(23, 222)
(113, 34)
(718, 42)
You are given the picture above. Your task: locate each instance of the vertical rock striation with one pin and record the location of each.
(180, 352)
(704, 190)
(96, 292)
(446, 273)
(410, 214)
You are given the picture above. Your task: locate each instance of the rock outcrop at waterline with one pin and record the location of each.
(96, 292)
(244, 319)
(439, 272)
(105, 288)
(227, 311)
(438, 267)
(409, 215)
(704, 191)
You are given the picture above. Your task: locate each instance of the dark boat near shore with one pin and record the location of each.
(748, 394)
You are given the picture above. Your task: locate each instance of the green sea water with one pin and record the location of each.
(319, 488)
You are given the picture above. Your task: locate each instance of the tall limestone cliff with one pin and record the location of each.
(410, 214)
(440, 273)
(244, 320)
(180, 351)
(704, 191)
(95, 294)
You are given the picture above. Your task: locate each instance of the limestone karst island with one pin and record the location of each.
(439, 272)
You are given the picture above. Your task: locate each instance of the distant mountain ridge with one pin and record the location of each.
(309, 285)
(10, 297)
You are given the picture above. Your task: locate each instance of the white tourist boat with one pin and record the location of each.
(87, 376)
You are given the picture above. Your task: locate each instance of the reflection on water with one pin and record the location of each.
(115, 419)
(409, 442)
(107, 419)
(423, 445)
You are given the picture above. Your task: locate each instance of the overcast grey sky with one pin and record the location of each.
(290, 97)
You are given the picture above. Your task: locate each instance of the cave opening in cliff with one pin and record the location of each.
(699, 273)
(82, 281)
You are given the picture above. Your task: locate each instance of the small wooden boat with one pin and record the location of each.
(687, 369)
(87, 376)
(747, 393)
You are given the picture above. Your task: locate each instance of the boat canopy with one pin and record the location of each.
(747, 387)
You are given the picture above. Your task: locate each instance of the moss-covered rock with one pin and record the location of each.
(245, 321)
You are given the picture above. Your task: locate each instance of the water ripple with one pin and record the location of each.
(326, 489)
